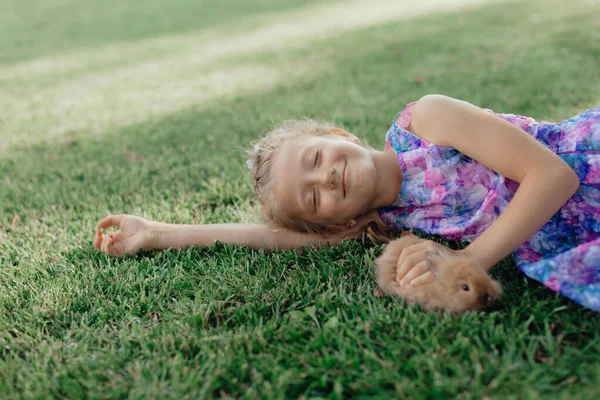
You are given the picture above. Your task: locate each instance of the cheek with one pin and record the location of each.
(365, 177)
(466, 296)
(330, 206)
(336, 212)
(474, 300)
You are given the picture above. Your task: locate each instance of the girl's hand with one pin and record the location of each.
(133, 235)
(413, 263)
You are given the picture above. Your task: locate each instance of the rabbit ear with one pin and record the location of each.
(497, 288)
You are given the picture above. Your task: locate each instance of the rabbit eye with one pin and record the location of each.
(465, 287)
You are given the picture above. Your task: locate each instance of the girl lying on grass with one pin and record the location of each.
(503, 182)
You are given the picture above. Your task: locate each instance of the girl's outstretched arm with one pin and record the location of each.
(137, 233)
(546, 181)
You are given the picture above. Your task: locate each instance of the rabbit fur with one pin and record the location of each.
(459, 284)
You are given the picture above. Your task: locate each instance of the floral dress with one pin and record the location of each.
(449, 194)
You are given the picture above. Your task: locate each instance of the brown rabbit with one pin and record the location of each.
(459, 285)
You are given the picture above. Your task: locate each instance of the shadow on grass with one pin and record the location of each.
(179, 156)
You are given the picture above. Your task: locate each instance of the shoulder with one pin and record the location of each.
(429, 103)
(427, 112)
(434, 115)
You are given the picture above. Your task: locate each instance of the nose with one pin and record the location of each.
(328, 179)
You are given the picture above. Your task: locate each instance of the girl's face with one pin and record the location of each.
(325, 179)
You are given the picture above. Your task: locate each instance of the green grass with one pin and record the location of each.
(37, 28)
(225, 321)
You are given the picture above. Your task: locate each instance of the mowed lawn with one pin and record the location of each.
(146, 108)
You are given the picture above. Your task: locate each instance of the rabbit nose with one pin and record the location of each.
(486, 299)
(489, 303)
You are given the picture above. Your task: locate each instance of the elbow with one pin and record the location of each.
(560, 181)
(574, 181)
(569, 180)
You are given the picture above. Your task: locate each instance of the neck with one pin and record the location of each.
(389, 177)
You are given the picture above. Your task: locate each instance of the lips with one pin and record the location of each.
(344, 177)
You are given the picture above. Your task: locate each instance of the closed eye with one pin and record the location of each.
(315, 199)
(316, 157)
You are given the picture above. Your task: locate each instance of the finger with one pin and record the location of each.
(427, 277)
(422, 245)
(98, 239)
(111, 245)
(111, 220)
(106, 243)
(418, 270)
(406, 263)
(410, 249)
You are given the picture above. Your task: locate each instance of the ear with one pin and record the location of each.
(343, 133)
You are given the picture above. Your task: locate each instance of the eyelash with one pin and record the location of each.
(317, 154)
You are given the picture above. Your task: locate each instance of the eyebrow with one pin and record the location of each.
(305, 157)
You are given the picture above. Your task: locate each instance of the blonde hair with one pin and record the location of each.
(261, 164)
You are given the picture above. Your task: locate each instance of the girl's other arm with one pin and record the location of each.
(257, 236)
(137, 233)
(546, 181)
